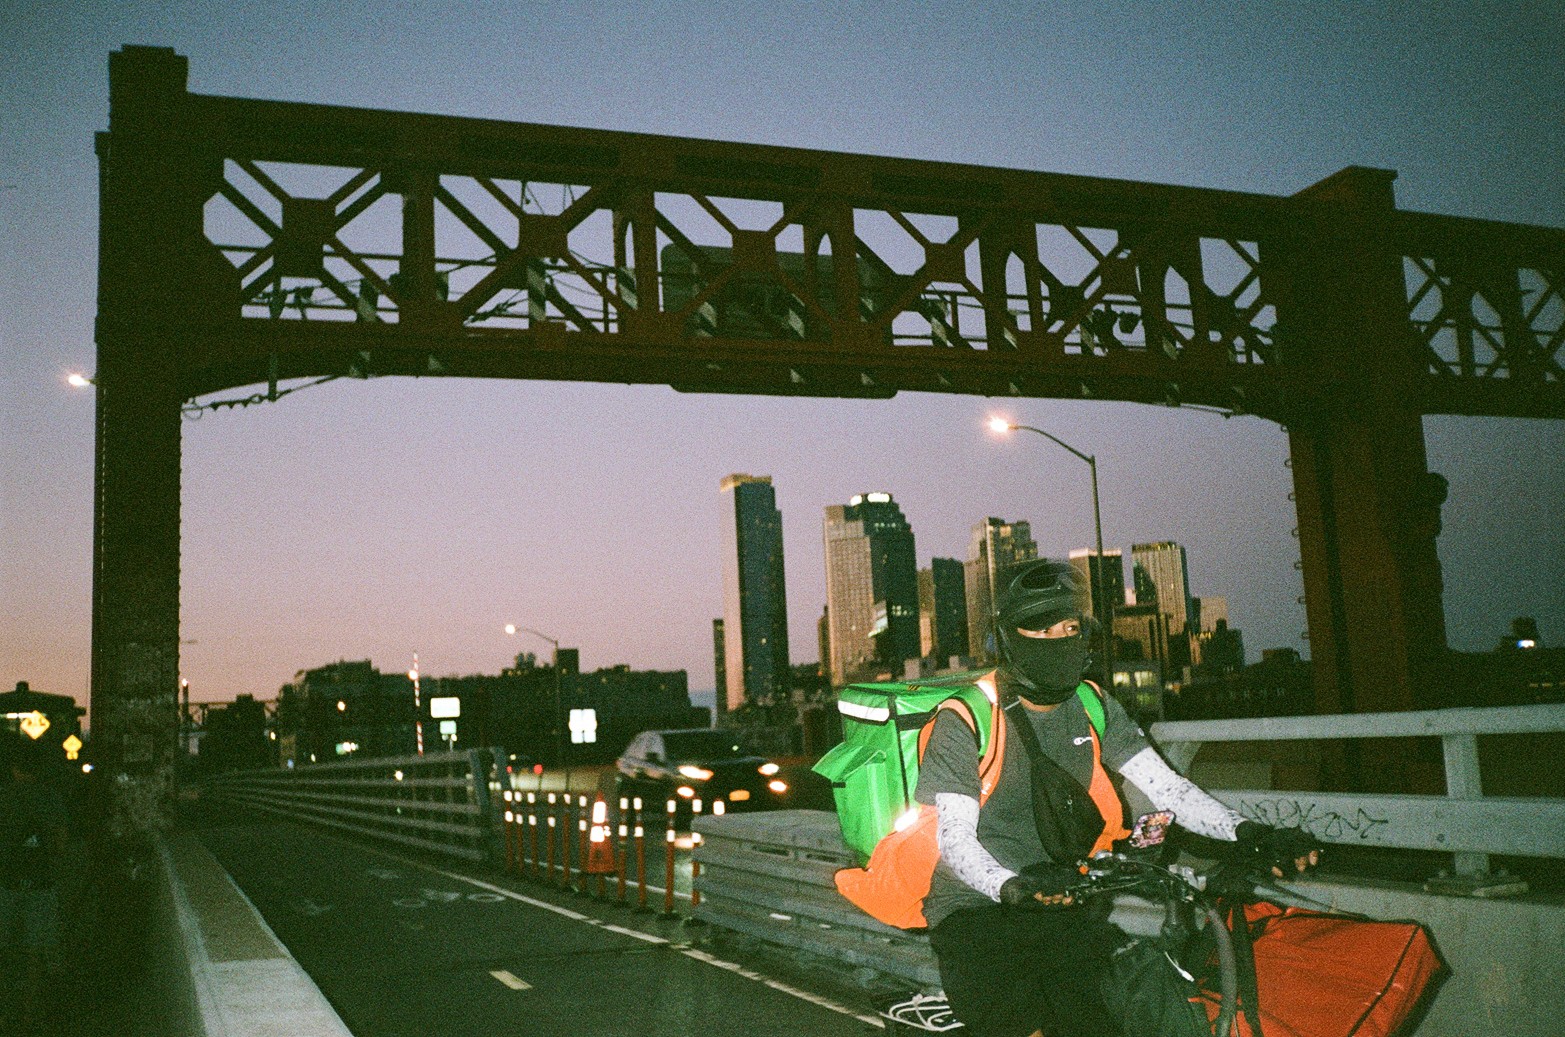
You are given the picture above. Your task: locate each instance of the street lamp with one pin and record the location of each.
(1099, 591)
(559, 723)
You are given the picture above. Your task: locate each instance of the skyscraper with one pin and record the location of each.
(719, 672)
(995, 546)
(942, 606)
(1164, 562)
(755, 603)
(1210, 609)
(871, 588)
(1105, 576)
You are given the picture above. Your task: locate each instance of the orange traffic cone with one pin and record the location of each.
(600, 850)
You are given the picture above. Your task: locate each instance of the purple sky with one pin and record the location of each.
(373, 519)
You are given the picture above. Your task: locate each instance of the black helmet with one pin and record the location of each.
(1038, 594)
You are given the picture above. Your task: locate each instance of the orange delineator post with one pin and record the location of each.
(549, 857)
(567, 839)
(619, 858)
(532, 829)
(521, 834)
(581, 841)
(695, 865)
(641, 859)
(510, 834)
(668, 870)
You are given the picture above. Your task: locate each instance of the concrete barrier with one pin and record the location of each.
(224, 973)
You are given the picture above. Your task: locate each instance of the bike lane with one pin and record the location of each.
(406, 948)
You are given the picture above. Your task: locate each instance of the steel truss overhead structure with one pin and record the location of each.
(250, 242)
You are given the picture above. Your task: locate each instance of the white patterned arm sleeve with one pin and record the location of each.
(1193, 808)
(956, 834)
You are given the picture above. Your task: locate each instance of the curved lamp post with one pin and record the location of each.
(559, 718)
(1100, 592)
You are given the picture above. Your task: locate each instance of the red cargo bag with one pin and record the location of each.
(1324, 975)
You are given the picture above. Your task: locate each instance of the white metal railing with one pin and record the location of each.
(1462, 822)
(442, 802)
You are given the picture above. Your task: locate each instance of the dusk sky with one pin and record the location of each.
(373, 519)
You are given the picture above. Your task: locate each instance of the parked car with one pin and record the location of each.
(698, 763)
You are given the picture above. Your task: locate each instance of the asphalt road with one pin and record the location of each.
(407, 947)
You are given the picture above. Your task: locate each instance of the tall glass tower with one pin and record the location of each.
(755, 603)
(994, 547)
(1164, 562)
(871, 588)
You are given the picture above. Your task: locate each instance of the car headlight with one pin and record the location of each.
(693, 772)
(768, 769)
(778, 787)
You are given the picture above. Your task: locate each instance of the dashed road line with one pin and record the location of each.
(778, 985)
(511, 981)
(690, 952)
(636, 933)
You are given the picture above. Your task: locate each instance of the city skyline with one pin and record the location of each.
(376, 518)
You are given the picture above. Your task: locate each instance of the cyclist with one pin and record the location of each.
(1016, 956)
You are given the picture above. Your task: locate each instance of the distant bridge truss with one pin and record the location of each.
(366, 242)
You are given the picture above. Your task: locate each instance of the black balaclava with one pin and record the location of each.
(1043, 670)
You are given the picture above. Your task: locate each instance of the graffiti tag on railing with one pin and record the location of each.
(1328, 824)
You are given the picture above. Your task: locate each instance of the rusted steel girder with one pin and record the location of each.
(251, 242)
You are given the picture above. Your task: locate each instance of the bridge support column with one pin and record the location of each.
(149, 233)
(1368, 508)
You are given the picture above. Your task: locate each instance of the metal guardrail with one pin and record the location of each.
(1462, 822)
(769, 875)
(441, 802)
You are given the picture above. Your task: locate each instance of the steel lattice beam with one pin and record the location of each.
(247, 242)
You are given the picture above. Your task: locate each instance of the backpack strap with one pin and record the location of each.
(1104, 796)
(1091, 697)
(991, 755)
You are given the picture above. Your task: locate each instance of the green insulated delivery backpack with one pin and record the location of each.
(874, 770)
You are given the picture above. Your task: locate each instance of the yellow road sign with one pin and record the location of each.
(72, 745)
(34, 725)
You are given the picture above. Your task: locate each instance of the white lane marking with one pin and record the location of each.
(636, 933)
(689, 952)
(510, 980)
(778, 985)
(511, 895)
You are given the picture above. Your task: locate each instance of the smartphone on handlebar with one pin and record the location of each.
(1151, 829)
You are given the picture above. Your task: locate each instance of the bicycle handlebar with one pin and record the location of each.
(1113, 872)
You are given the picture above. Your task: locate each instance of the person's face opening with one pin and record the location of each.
(1070, 627)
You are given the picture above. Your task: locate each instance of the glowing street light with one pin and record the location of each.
(559, 722)
(1099, 592)
(77, 380)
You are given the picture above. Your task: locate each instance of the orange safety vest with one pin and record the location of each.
(892, 886)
